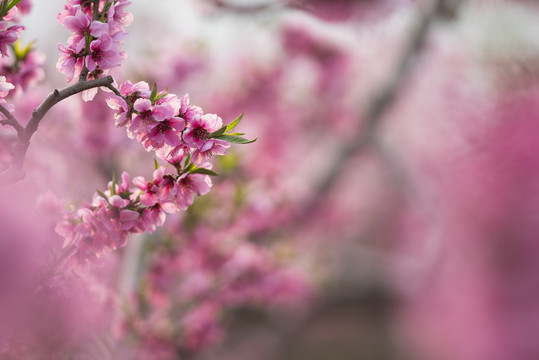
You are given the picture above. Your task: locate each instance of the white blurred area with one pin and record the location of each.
(151, 19)
(155, 24)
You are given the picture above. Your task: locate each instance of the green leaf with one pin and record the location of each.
(154, 93)
(219, 132)
(113, 188)
(190, 168)
(162, 95)
(155, 164)
(21, 53)
(187, 160)
(102, 194)
(235, 139)
(12, 4)
(234, 123)
(203, 171)
(107, 7)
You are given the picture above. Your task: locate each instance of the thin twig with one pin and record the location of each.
(115, 91)
(10, 120)
(95, 10)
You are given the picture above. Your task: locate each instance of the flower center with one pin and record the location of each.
(201, 133)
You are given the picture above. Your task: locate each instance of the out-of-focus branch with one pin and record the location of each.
(15, 172)
(95, 14)
(381, 103)
(243, 9)
(372, 117)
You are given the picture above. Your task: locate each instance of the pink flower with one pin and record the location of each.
(218, 147)
(24, 7)
(200, 327)
(123, 113)
(103, 54)
(26, 72)
(164, 132)
(159, 190)
(173, 155)
(8, 36)
(198, 133)
(188, 186)
(132, 92)
(148, 114)
(68, 63)
(187, 111)
(81, 24)
(121, 15)
(5, 87)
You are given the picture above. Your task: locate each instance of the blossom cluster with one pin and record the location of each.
(97, 35)
(25, 68)
(22, 66)
(170, 125)
(190, 289)
(8, 34)
(179, 133)
(105, 224)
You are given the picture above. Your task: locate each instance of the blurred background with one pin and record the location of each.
(389, 208)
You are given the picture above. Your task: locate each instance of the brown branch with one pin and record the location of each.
(95, 9)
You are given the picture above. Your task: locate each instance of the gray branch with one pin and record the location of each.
(381, 103)
(10, 120)
(15, 172)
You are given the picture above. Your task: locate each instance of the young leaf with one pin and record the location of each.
(12, 4)
(102, 194)
(204, 171)
(155, 164)
(154, 93)
(190, 168)
(160, 96)
(219, 132)
(113, 187)
(19, 51)
(234, 123)
(235, 139)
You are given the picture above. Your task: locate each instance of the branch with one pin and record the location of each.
(15, 172)
(372, 116)
(10, 120)
(379, 106)
(58, 95)
(115, 91)
(95, 14)
(244, 9)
